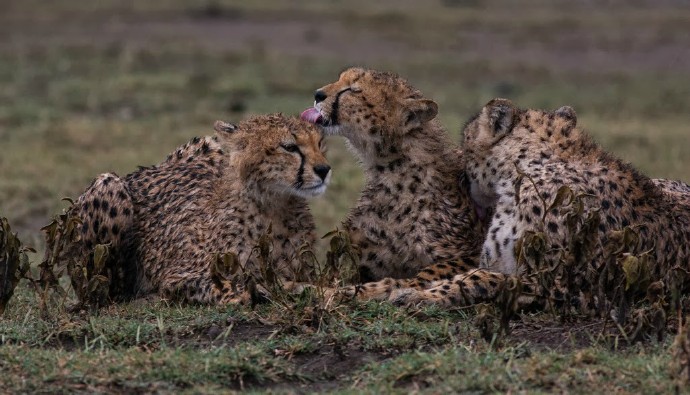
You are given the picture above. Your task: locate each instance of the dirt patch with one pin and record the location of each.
(216, 335)
(330, 368)
(549, 335)
(545, 333)
(327, 368)
(334, 363)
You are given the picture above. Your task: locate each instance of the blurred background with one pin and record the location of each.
(106, 85)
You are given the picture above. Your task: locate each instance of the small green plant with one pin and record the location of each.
(565, 268)
(225, 269)
(679, 364)
(562, 273)
(307, 302)
(342, 260)
(303, 300)
(89, 271)
(14, 262)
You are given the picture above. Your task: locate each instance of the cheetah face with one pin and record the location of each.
(313, 174)
(371, 109)
(279, 155)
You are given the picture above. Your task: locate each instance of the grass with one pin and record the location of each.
(516, 369)
(123, 84)
(153, 346)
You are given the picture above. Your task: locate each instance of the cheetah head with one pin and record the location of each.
(480, 134)
(488, 127)
(277, 154)
(374, 110)
(491, 140)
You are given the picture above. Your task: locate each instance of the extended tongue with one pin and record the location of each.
(311, 115)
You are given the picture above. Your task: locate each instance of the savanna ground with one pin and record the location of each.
(88, 87)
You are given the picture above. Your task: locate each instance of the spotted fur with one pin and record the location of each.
(413, 222)
(212, 195)
(516, 160)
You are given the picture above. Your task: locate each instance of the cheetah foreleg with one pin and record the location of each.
(382, 289)
(475, 286)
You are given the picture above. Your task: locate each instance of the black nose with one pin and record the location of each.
(320, 96)
(322, 171)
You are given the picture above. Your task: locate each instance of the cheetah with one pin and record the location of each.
(517, 162)
(212, 195)
(414, 222)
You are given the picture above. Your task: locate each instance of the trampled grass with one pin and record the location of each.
(106, 86)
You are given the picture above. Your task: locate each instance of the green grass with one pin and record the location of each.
(458, 369)
(154, 346)
(123, 84)
(372, 347)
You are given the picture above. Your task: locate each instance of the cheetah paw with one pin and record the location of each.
(414, 297)
(405, 297)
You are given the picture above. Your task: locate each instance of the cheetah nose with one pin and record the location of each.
(320, 96)
(322, 171)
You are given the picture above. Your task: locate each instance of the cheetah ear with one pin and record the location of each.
(224, 127)
(419, 111)
(500, 115)
(568, 113)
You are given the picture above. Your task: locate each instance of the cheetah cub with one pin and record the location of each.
(212, 195)
(414, 219)
(517, 161)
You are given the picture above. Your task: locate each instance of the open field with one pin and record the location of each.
(89, 87)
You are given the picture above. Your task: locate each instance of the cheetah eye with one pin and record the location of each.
(290, 147)
(355, 89)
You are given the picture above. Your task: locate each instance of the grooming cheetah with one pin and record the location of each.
(414, 222)
(517, 160)
(212, 195)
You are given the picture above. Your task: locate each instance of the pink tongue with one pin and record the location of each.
(311, 115)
